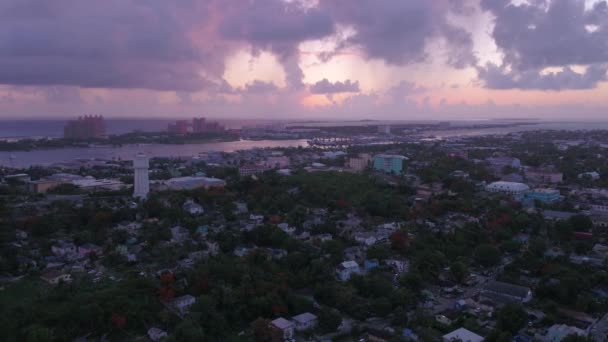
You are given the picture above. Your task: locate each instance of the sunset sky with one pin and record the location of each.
(305, 59)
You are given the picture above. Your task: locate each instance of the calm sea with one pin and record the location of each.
(24, 159)
(34, 128)
(16, 129)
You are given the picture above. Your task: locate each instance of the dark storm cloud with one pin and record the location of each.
(326, 87)
(273, 25)
(398, 32)
(277, 26)
(495, 77)
(556, 33)
(112, 44)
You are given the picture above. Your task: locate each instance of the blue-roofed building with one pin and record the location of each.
(545, 196)
(370, 264)
(389, 163)
(409, 334)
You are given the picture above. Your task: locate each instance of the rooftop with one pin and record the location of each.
(463, 335)
(304, 318)
(282, 323)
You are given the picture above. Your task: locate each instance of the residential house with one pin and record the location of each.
(156, 334)
(179, 234)
(593, 175)
(283, 328)
(399, 266)
(89, 249)
(64, 249)
(305, 321)
(286, 228)
(370, 264)
(558, 332)
(54, 277)
(366, 238)
(354, 253)
(346, 269)
(182, 304)
(462, 335)
(193, 208)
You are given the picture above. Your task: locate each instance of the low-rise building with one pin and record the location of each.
(545, 196)
(462, 335)
(593, 175)
(558, 332)
(89, 249)
(284, 328)
(249, 170)
(182, 304)
(193, 182)
(509, 188)
(346, 269)
(193, 208)
(54, 277)
(543, 176)
(64, 249)
(305, 321)
(156, 334)
(504, 293)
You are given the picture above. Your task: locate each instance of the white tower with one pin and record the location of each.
(141, 181)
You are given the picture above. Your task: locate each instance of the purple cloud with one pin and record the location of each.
(540, 34)
(495, 77)
(110, 44)
(326, 87)
(398, 31)
(260, 87)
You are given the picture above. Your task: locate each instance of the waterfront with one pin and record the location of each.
(24, 159)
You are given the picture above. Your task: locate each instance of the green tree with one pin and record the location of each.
(39, 333)
(486, 255)
(329, 320)
(581, 223)
(511, 318)
(459, 271)
(189, 331)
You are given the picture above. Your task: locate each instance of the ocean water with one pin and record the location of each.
(40, 128)
(24, 159)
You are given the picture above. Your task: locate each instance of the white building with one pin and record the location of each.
(509, 188)
(193, 208)
(156, 334)
(305, 321)
(141, 180)
(285, 327)
(183, 303)
(462, 335)
(346, 269)
(593, 175)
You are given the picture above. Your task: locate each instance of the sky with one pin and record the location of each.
(305, 59)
